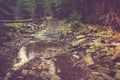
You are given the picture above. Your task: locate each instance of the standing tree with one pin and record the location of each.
(38, 11)
(7, 9)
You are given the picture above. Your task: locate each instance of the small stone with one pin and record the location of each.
(96, 73)
(97, 43)
(31, 72)
(92, 46)
(76, 43)
(39, 66)
(24, 72)
(90, 43)
(75, 52)
(76, 56)
(117, 65)
(70, 31)
(88, 60)
(92, 28)
(117, 75)
(20, 77)
(80, 36)
(90, 50)
(58, 71)
(34, 67)
(104, 70)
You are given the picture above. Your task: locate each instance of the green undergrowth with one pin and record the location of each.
(7, 28)
(16, 25)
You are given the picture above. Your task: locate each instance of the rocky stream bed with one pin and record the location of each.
(57, 51)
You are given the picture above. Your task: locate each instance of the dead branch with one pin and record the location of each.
(112, 19)
(19, 21)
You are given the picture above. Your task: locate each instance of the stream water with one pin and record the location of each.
(47, 46)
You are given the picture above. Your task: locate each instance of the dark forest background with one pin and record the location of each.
(105, 12)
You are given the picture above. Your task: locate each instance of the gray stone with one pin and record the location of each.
(24, 72)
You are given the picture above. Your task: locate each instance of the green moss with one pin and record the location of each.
(16, 25)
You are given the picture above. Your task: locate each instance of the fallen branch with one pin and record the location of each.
(19, 21)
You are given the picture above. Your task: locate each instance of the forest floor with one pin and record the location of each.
(93, 52)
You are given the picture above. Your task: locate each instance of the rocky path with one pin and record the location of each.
(59, 52)
(44, 46)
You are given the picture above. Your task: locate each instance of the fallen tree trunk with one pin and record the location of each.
(19, 21)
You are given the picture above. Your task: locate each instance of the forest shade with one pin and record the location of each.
(87, 11)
